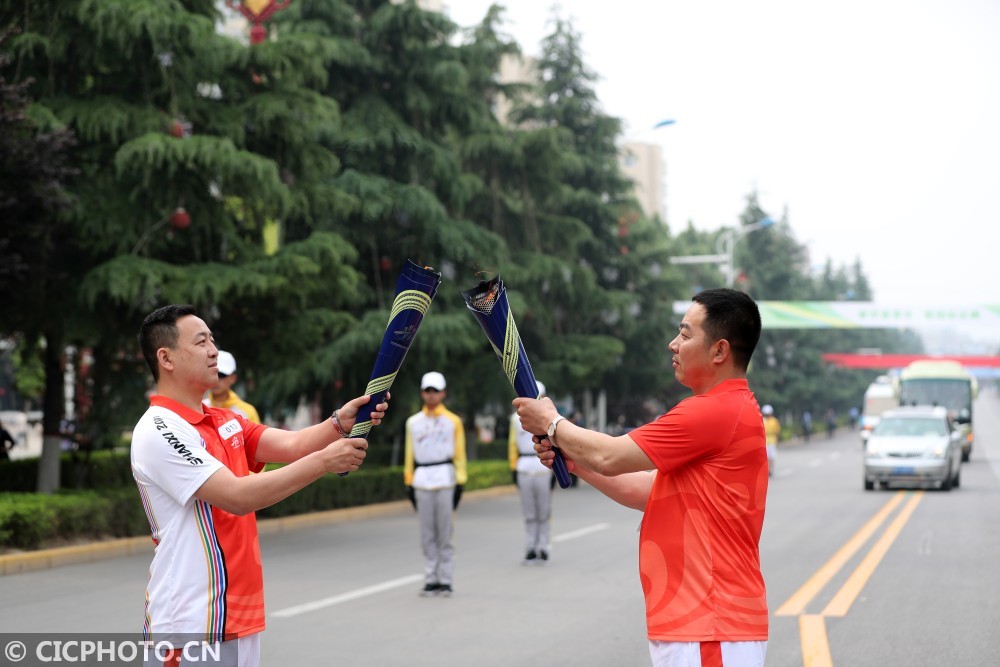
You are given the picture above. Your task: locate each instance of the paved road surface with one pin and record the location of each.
(918, 587)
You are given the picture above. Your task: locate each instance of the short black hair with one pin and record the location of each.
(159, 329)
(731, 315)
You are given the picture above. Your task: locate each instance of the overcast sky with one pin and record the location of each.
(876, 123)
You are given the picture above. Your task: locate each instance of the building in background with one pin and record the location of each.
(643, 163)
(233, 24)
(513, 69)
(427, 5)
(640, 162)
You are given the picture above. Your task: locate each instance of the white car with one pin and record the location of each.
(914, 446)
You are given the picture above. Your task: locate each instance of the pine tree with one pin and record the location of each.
(589, 273)
(575, 212)
(170, 115)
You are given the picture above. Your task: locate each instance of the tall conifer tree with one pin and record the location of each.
(186, 153)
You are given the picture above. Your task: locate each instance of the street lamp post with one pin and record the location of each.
(724, 247)
(727, 242)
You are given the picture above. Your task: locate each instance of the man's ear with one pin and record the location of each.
(722, 351)
(165, 359)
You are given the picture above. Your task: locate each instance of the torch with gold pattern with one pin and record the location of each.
(415, 289)
(488, 302)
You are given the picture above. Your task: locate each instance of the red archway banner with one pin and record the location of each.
(886, 361)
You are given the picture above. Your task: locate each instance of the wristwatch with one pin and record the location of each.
(552, 428)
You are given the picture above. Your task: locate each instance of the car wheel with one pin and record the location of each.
(946, 482)
(958, 478)
(965, 455)
(869, 486)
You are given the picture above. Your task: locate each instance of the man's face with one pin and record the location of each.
(432, 397)
(692, 351)
(195, 356)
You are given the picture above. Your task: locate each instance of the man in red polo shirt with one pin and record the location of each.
(192, 465)
(699, 475)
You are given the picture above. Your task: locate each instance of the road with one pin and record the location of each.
(854, 578)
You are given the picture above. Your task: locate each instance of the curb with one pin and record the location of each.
(797, 440)
(44, 559)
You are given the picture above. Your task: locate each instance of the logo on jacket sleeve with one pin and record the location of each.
(176, 443)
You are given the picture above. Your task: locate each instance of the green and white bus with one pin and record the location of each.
(944, 383)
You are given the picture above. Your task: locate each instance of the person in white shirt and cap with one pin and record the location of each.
(222, 394)
(534, 482)
(434, 471)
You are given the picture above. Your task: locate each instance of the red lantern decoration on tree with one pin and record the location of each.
(179, 128)
(180, 219)
(257, 11)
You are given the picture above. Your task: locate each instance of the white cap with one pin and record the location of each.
(226, 363)
(541, 387)
(432, 380)
(767, 410)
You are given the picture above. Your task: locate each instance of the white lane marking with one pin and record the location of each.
(834, 456)
(784, 472)
(926, 544)
(572, 535)
(815, 463)
(404, 581)
(347, 597)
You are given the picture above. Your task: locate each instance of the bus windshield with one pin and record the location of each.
(955, 395)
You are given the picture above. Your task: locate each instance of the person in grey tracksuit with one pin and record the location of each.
(534, 482)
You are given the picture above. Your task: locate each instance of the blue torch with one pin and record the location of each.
(415, 288)
(488, 302)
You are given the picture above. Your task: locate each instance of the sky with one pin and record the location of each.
(874, 123)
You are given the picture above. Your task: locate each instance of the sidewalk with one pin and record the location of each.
(44, 559)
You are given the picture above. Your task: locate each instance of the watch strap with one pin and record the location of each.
(552, 428)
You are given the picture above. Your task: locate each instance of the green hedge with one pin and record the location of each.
(31, 520)
(112, 468)
(98, 470)
(496, 450)
(373, 485)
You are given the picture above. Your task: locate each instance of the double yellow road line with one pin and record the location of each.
(812, 627)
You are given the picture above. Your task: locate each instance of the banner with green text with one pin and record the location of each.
(866, 315)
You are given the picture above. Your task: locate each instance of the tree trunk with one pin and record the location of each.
(52, 409)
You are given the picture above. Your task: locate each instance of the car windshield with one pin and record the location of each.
(911, 426)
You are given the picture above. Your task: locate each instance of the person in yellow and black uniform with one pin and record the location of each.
(534, 482)
(434, 471)
(223, 396)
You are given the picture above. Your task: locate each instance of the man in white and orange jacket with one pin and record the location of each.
(434, 471)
